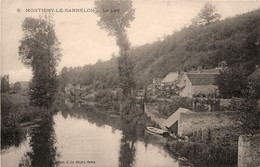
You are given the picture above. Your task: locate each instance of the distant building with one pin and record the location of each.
(170, 79)
(157, 82)
(198, 84)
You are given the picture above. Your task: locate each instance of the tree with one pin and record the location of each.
(17, 86)
(39, 50)
(64, 78)
(231, 82)
(5, 83)
(250, 112)
(206, 15)
(115, 23)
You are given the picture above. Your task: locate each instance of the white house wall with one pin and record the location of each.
(187, 90)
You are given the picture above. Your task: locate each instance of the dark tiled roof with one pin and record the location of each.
(206, 71)
(255, 75)
(202, 79)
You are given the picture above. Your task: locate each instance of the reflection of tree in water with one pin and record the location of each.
(12, 137)
(127, 148)
(43, 153)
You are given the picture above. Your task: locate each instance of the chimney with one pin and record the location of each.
(154, 80)
(223, 65)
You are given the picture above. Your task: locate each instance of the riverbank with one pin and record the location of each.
(202, 154)
(16, 117)
(198, 151)
(202, 148)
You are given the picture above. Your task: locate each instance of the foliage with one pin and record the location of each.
(250, 113)
(107, 99)
(5, 83)
(231, 82)
(39, 50)
(168, 108)
(63, 78)
(115, 23)
(14, 110)
(233, 40)
(201, 153)
(17, 86)
(206, 15)
(255, 79)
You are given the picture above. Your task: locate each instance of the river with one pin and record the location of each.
(76, 137)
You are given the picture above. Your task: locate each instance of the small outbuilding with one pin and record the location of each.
(171, 123)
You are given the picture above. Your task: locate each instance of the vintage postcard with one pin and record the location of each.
(130, 83)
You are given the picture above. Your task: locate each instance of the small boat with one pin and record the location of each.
(157, 131)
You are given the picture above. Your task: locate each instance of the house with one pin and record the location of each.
(185, 122)
(170, 79)
(171, 123)
(68, 88)
(198, 84)
(206, 71)
(157, 81)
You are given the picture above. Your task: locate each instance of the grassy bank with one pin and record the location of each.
(201, 154)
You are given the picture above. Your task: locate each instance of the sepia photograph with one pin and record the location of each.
(130, 83)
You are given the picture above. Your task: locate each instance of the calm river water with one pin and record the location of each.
(85, 138)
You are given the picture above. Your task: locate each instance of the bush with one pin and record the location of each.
(201, 153)
(107, 99)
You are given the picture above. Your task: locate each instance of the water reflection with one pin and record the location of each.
(127, 146)
(82, 135)
(134, 140)
(42, 142)
(12, 137)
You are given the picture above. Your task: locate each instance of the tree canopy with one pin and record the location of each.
(39, 50)
(206, 15)
(4, 83)
(233, 40)
(115, 23)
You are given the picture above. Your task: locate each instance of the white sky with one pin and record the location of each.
(83, 42)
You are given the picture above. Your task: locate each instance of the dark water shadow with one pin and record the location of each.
(42, 142)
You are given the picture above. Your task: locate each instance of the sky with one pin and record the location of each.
(83, 42)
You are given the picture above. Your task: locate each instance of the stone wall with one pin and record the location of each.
(150, 113)
(249, 151)
(203, 121)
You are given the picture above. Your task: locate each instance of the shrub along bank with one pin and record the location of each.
(204, 154)
(15, 114)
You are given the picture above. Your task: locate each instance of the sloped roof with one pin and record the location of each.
(152, 85)
(175, 117)
(255, 75)
(202, 79)
(69, 86)
(171, 77)
(206, 71)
